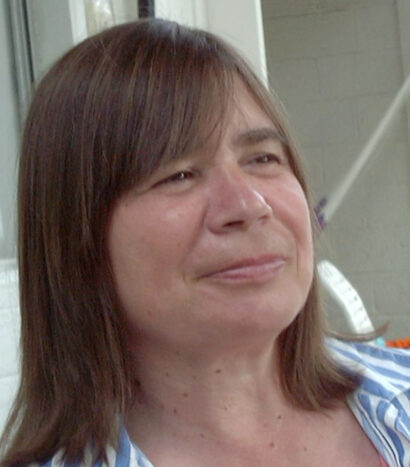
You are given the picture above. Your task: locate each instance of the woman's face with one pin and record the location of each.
(217, 244)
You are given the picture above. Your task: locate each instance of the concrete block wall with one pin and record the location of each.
(336, 65)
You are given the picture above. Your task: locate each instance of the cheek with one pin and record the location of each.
(135, 245)
(147, 253)
(290, 203)
(292, 208)
(147, 247)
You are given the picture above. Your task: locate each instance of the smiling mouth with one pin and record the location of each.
(250, 270)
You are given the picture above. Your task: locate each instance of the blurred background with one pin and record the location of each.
(336, 66)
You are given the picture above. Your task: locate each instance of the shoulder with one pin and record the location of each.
(382, 401)
(127, 454)
(389, 365)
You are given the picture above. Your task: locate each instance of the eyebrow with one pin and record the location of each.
(259, 135)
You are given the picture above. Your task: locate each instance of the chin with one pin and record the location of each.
(261, 318)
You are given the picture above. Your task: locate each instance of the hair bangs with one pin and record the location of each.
(171, 104)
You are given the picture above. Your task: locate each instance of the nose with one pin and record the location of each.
(235, 203)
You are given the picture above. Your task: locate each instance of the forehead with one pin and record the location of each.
(245, 122)
(247, 114)
(235, 115)
(244, 106)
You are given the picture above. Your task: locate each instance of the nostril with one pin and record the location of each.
(234, 224)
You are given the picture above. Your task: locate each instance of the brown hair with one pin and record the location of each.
(105, 116)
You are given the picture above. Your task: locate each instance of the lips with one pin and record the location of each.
(257, 268)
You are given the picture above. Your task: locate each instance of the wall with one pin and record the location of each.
(337, 64)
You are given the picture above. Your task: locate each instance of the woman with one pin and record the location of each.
(168, 294)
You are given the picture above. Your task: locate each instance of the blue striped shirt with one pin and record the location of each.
(127, 455)
(382, 402)
(381, 405)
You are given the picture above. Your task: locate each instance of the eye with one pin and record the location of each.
(177, 177)
(267, 158)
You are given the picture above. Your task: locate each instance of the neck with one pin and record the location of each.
(217, 393)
